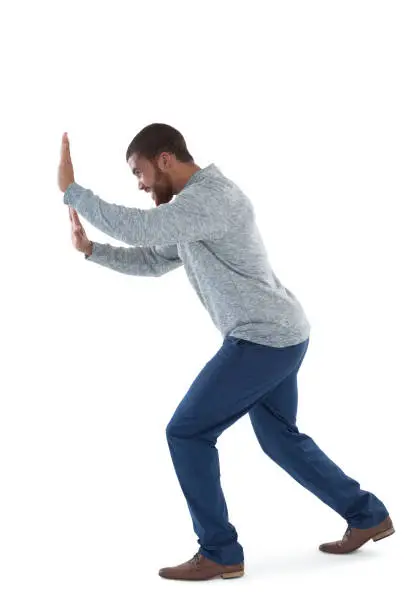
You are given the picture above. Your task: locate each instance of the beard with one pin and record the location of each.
(161, 191)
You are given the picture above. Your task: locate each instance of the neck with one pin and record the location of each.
(183, 175)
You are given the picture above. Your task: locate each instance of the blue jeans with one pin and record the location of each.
(246, 377)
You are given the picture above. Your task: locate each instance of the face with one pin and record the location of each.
(152, 176)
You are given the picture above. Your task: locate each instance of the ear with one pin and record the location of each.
(165, 161)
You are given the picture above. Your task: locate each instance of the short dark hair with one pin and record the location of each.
(159, 138)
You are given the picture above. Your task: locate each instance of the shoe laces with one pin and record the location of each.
(348, 532)
(196, 559)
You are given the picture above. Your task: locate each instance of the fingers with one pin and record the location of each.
(65, 152)
(73, 215)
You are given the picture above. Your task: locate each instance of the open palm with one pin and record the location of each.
(78, 235)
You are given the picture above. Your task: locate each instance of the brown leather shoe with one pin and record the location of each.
(354, 538)
(201, 568)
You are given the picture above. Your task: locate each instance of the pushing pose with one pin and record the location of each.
(210, 228)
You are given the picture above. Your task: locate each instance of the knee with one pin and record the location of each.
(174, 429)
(170, 430)
(181, 429)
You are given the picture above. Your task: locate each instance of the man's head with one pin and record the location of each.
(159, 158)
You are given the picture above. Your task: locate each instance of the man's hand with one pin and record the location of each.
(65, 169)
(78, 235)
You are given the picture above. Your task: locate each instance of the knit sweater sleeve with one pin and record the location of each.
(138, 261)
(195, 214)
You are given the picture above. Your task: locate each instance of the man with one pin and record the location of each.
(210, 228)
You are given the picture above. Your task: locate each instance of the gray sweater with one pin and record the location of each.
(210, 228)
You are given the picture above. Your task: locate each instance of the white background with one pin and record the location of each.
(304, 105)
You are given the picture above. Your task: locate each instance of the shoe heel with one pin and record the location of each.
(233, 574)
(383, 534)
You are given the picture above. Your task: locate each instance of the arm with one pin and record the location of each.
(149, 261)
(196, 213)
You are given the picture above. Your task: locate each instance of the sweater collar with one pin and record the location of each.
(209, 170)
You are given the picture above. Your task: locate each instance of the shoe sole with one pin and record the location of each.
(233, 574)
(383, 534)
(225, 576)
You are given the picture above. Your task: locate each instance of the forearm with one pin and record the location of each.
(137, 261)
(195, 214)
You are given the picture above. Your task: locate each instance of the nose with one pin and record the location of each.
(141, 186)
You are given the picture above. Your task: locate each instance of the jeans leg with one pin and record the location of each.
(274, 421)
(197, 466)
(239, 374)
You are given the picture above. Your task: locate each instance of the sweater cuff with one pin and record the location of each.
(98, 250)
(72, 193)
